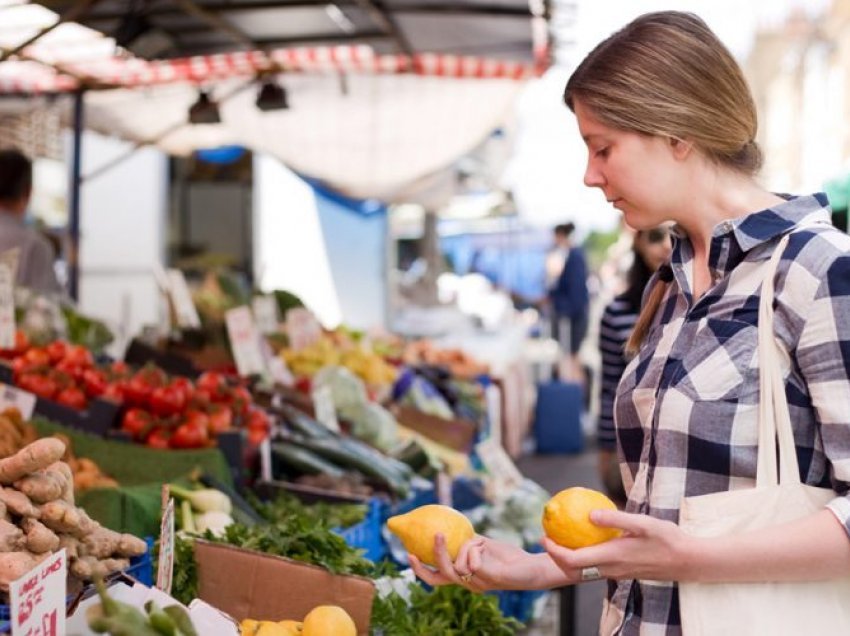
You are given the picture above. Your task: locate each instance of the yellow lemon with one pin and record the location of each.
(328, 620)
(248, 627)
(293, 627)
(417, 530)
(566, 518)
(271, 628)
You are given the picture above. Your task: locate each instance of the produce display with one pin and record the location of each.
(418, 528)
(329, 351)
(457, 361)
(37, 494)
(566, 518)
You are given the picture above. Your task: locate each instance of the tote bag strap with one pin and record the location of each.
(773, 417)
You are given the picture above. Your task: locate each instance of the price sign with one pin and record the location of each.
(265, 313)
(444, 489)
(184, 307)
(165, 566)
(302, 328)
(504, 475)
(8, 269)
(323, 404)
(245, 342)
(11, 397)
(38, 598)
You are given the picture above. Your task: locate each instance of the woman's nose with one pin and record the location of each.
(593, 177)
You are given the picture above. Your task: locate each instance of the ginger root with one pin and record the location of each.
(18, 503)
(11, 537)
(49, 484)
(104, 542)
(88, 567)
(13, 565)
(38, 455)
(60, 516)
(39, 538)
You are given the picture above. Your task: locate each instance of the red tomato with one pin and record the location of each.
(40, 385)
(242, 400)
(95, 382)
(79, 356)
(185, 386)
(114, 391)
(138, 390)
(197, 418)
(70, 367)
(158, 438)
(201, 398)
(256, 436)
(259, 419)
(189, 435)
(119, 368)
(221, 419)
(137, 422)
(37, 357)
(167, 400)
(216, 385)
(73, 397)
(56, 350)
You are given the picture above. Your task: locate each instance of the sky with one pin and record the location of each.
(546, 171)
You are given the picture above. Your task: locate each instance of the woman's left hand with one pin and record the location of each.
(649, 548)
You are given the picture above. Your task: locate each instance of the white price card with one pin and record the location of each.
(245, 342)
(302, 328)
(165, 565)
(12, 397)
(265, 313)
(8, 270)
(38, 598)
(323, 404)
(504, 475)
(184, 307)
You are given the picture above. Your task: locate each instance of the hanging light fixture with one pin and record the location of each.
(204, 111)
(272, 96)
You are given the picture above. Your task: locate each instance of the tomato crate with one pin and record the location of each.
(366, 535)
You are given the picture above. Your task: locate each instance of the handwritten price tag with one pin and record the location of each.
(7, 307)
(245, 342)
(38, 598)
(323, 404)
(181, 297)
(165, 565)
(265, 313)
(503, 474)
(11, 397)
(302, 328)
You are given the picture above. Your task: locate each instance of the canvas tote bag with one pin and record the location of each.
(770, 608)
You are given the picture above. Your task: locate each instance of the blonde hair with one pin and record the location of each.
(667, 74)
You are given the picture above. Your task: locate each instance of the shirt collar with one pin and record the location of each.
(760, 227)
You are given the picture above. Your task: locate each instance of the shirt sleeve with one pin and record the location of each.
(611, 345)
(823, 355)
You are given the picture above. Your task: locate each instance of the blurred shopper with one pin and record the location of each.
(568, 296)
(650, 250)
(36, 255)
(670, 126)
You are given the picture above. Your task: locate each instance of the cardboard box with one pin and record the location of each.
(457, 434)
(248, 584)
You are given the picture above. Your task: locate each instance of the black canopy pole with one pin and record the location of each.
(74, 217)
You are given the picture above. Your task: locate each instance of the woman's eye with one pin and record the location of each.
(602, 152)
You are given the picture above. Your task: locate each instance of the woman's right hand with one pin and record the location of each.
(484, 564)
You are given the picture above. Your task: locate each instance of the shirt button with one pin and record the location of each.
(727, 226)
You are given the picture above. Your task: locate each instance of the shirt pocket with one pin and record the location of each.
(719, 363)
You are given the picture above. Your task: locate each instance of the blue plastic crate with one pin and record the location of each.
(519, 604)
(366, 535)
(141, 567)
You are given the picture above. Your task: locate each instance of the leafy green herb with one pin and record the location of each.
(184, 584)
(448, 611)
(332, 515)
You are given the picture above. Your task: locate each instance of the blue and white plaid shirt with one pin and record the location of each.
(687, 404)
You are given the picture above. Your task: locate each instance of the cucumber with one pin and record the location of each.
(303, 460)
(302, 423)
(332, 450)
(403, 470)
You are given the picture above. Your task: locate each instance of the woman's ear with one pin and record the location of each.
(681, 148)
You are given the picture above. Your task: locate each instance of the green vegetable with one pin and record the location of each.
(184, 585)
(181, 618)
(213, 521)
(204, 500)
(332, 515)
(159, 620)
(448, 610)
(187, 520)
(117, 618)
(303, 461)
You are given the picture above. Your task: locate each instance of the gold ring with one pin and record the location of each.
(466, 578)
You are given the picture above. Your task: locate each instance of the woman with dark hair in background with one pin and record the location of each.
(650, 250)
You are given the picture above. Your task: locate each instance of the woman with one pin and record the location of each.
(670, 128)
(650, 250)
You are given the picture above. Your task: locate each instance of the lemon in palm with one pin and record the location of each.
(418, 528)
(566, 518)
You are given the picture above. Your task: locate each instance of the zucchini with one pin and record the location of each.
(304, 460)
(403, 470)
(301, 422)
(333, 451)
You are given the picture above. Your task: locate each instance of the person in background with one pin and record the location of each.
(568, 295)
(650, 250)
(36, 255)
(670, 127)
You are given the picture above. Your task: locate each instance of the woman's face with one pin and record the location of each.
(654, 246)
(640, 175)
